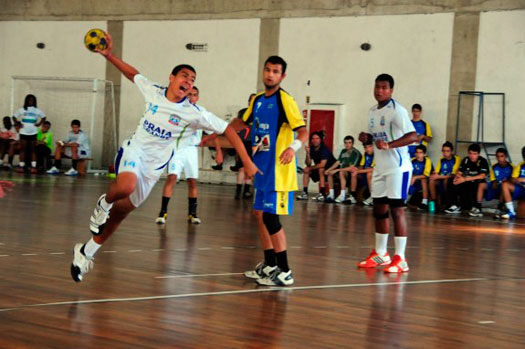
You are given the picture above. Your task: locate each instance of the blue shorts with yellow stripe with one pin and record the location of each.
(276, 202)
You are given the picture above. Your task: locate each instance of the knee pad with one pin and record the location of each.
(272, 223)
(396, 202)
(381, 215)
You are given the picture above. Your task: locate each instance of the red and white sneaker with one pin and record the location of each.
(398, 265)
(374, 260)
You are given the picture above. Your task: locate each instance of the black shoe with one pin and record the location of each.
(247, 195)
(217, 167)
(234, 168)
(423, 207)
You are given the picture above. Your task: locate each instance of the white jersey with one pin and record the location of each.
(82, 140)
(29, 117)
(166, 126)
(389, 123)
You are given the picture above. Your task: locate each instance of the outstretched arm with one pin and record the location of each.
(126, 69)
(249, 167)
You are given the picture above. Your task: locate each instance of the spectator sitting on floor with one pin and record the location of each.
(499, 172)
(323, 159)
(472, 171)
(514, 189)
(44, 146)
(348, 158)
(441, 179)
(361, 176)
(76, 147)
(421, 170)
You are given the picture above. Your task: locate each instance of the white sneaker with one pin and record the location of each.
(318, 197)
(193, 219)
(81, 264)
(302, 196)
(261, 271)
(53, 170)
(71, 172)
(352, 199)
(161, 219)
(453, 209)
(340, 198)
(475, 212)
(98, 218)
(368, 201)
(277, 278)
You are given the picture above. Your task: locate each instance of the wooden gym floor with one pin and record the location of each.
(180, 286)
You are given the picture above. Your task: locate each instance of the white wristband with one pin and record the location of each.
(296, 145)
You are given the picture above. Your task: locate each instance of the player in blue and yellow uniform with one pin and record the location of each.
(274, 117)
(424, 133)
(361, 176)
(514, 189)
(443, 175)
(421, 170)
(499, 173)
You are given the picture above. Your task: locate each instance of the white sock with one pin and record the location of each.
(90, 248)
(424, 201)
(331, 192)
(401, 244)
(381, 243)
(21, 164)
(343, 193)
(105, 205)
(33, 163)
(510, 207)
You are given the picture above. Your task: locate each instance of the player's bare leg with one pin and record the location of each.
(379, 256)
(507, 189)
(269, 264)
(167, 191)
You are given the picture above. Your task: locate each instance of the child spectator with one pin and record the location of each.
(446, 169)
(348, 159)
(514, 189)
(14, 147)
(76, 146)
(499, 173)
(361, 176)
(31, 117)
(472, 171)
(323, 159)
(44, 146)
(421, 170)
(424, 134)
(7, 136)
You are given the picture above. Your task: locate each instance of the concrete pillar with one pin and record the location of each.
(268, 44)
(116, 29)
(462, 74)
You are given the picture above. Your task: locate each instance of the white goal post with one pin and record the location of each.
(62, 99)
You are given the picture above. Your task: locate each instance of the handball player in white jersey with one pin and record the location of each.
(168, 120)
(187, 160)
(392, 131)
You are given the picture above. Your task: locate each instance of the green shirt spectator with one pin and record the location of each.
(46, 137)
(349, 157)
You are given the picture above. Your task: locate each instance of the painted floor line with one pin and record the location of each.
(258, 290)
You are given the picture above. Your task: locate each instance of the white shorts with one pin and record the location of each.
(187, 160)
(130, 160)
(392, 185)
(82, 154)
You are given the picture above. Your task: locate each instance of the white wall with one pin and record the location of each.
(500, 68)
(226, 74)
(414, 49)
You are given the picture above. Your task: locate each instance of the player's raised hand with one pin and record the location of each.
(109, 48)
(287, 156)
(365, 137)
(250, 170)
(381, 144)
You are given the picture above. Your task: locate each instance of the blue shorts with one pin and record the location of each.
(362, 180)
(519, 192)
(276, 202)
(492, 193)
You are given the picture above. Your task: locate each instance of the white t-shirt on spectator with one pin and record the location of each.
(29, 117)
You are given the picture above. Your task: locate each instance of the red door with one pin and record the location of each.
(323, 121)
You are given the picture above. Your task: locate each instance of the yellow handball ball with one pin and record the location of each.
(95, 39)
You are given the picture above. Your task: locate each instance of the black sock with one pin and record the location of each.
(478, 205)
(322, 190)
(165, 201)
(192, 206)
(247, 188)
(282, 261)
(75, 163)
(10, 159)
(269, 257)
(353, 193)
(305, 189)
(238, 189)
(58, 163)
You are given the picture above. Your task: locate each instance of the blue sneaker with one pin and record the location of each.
(508, 215)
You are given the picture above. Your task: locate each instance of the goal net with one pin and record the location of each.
(63, 99)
